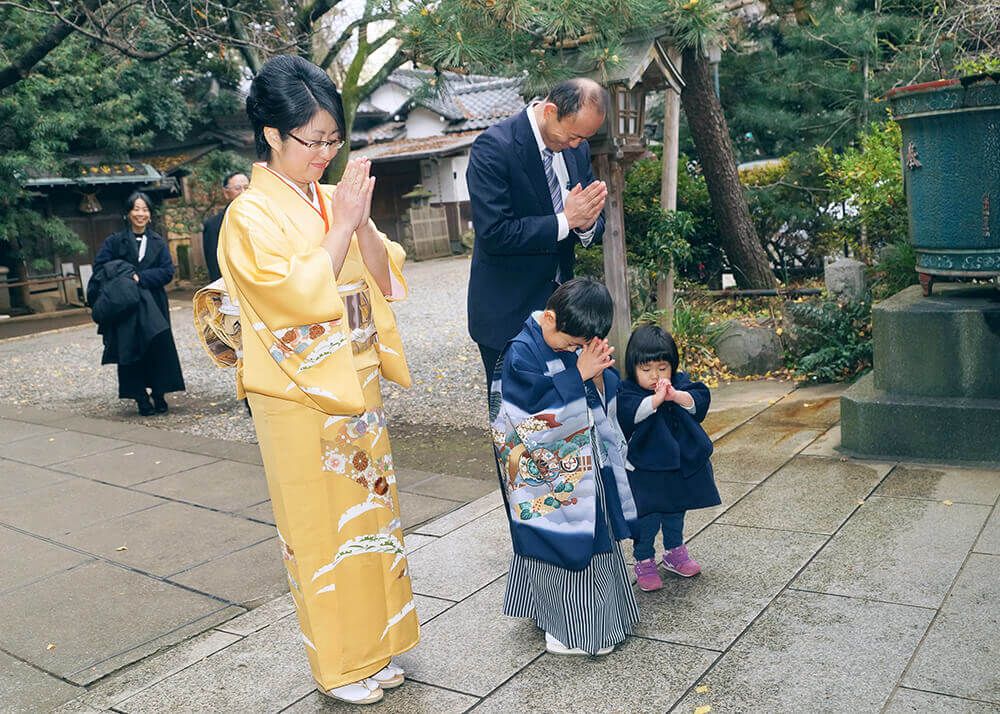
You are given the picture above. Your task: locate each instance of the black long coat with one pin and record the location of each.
(159, 370)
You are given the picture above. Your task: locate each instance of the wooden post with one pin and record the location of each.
(668, 190)
(615, 275)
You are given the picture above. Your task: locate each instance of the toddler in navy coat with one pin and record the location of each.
(660, 411)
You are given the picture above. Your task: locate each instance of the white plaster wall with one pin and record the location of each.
(422, 123)
(389, 97)
(431, 176)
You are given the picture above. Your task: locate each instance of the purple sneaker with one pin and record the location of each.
(648, 575)
(678, 561)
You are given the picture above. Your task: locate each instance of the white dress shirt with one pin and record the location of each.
(562, 175)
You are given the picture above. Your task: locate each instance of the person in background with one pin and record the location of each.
(158, 370)
(232, 186)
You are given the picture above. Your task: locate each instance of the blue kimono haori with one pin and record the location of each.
(546, 424)
(668, 451)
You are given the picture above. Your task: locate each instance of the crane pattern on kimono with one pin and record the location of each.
(557, 465)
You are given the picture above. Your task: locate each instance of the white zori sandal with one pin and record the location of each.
(389, 677)
(367, 691)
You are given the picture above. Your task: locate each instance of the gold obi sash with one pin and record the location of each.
(360, 319)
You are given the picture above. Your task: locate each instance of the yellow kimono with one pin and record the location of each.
(313, 346)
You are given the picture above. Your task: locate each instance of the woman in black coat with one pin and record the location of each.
(158, 371)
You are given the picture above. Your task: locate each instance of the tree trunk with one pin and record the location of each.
(668, 194)
(718, 163)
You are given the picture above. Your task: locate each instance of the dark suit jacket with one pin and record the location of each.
(210, 244)
(517, 250)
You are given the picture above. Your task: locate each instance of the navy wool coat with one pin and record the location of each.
(669, 450)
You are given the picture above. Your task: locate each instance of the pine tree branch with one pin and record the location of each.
(384, 71)
(346, 35)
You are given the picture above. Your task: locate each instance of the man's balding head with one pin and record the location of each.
(572, 95)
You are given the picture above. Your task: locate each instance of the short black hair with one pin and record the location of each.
(227, 177)
(286, 94)
(583, 308)
(650, 343)
(137, 196)
(571, 95)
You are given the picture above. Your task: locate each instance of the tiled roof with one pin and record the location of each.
(367, 109)
(460, 97)
(407, 149)
(98, 172)
(387, 131)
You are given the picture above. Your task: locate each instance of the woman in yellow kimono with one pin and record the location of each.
(313, 279)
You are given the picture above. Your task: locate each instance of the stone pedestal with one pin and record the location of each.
(934, 392)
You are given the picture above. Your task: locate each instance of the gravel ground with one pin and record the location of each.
(62, 369)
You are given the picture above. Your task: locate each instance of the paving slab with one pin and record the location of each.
(473, 647)
(99, 427)
(99, 617)
(660, 674)
(718, 423)
(754, 451)
(810, 494)
(939, 483)
(217, 448)
(261, 512)
(896, 550)
(430, 607)
(16, 478)
(758, 394)
(168, 538)
(12, 430)
(989, 540)
(465, 560)
(250, 577)
(697, 521)
(58, 446)
(265, 672)
(133, 464)
(804, 407)
(814, 653)
(26, 690)
(415, 509)
(260, 617)
(223, 485)
(743, 569)
(961, 652)
(826, 445)
(411, 698)
(466, 514)
(909, 701)
(70, 505)
(414, 541)
(35, 415)
(451, 488)
(143, 675)
(26, 558)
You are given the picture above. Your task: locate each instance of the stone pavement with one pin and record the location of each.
(829, 584)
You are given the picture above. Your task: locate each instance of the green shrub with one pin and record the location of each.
(895, 270)
(833, 339)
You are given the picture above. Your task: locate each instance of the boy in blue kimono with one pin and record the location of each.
(660, 411)
(562, 474)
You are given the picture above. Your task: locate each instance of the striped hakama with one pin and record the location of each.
(591, 609)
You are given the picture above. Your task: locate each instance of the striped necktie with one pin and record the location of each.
(550, 175)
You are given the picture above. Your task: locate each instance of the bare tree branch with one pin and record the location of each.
(346, 35)
(384, 71)
(19, 68)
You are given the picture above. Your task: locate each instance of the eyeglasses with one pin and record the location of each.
(318, 146)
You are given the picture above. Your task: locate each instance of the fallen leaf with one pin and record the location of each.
(861, 501)
(129, 453)
(703, 710)
(121, 548)
(701, 688)
(949, 502)
(52, 439)
(157, 462)
(50, 646)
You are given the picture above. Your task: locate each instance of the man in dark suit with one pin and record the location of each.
(533, 198)
(232, 186)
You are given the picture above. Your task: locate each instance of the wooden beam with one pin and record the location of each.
(615, 275)
(668, 190)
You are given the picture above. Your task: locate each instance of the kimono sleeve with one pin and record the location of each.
(291, 297)
(397, 256)
(287, 288)
(698, 391)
